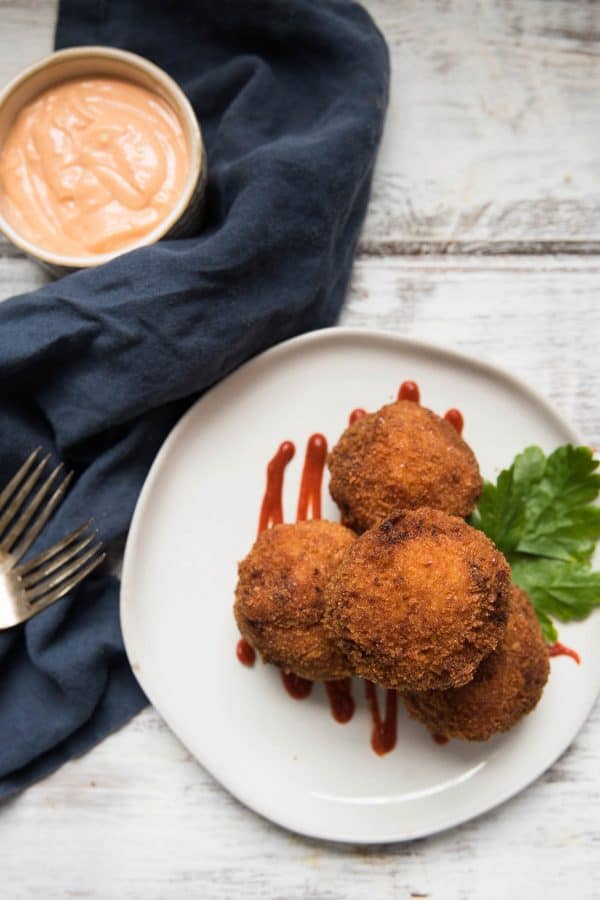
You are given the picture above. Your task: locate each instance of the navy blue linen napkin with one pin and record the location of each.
(97, 367)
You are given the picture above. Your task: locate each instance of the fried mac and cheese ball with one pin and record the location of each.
(419, 601)
(280, 597)
(507, 685)
(403, 456)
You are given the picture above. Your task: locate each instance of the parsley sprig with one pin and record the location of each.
(541, 514)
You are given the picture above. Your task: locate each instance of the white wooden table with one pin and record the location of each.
(483, 234)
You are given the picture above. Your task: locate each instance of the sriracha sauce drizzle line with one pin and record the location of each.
(558, 649)
(341, 702)
(355, 415)
(245, 652)
(297, 687)
(454, 417)
(312, 478)
(384, 731)
(271, 511)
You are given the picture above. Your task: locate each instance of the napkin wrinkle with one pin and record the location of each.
(82, 694)
(122, 698)
(84, 616)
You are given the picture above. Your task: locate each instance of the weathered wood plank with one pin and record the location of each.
(18, 275)
(492, 134)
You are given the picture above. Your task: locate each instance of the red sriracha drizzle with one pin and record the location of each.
(383, 731)
(409, 390)
(558, 649)
(341, 703)
(356, 414)
(298, 688)
(454, 417)
(312, 477)
(271, 511)
(245, 652)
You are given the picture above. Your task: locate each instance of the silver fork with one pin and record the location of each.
(28, 588)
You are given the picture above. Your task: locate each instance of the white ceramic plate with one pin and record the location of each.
(197, 516)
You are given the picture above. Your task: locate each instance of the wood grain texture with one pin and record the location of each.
(137, 817)
(491, 142)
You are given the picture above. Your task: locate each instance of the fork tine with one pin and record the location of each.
(35, 608)
(64, 588)
(28, 512)
(54, 581)
(7, 492)
(29, 581)
(23, 521)
(23, 492)
(41, 558)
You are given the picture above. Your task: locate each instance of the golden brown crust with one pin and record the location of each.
(401, 457)
(279, 597)
(418, 601)
(507, 685)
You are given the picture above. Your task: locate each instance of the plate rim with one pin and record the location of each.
(337, 334)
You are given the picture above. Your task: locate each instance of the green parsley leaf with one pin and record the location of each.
(561, 590)
(559, 521)
(540, 514)
(501, 509)
(542, 506)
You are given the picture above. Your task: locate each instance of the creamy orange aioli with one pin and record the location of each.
(91, 166)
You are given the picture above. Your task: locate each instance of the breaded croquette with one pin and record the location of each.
(280, 597)
(401, 457)
(418, 601)
(507, 685)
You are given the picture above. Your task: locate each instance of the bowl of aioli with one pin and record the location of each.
(100, 153)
